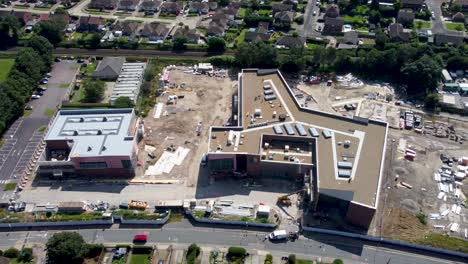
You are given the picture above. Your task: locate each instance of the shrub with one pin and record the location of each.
(236, 251)
(94, 250)
(337, 261)
(142, 250)
(422, 217)
(292, 259)
(268, 259)
(192, 253)
(26, 255)
(11, 253)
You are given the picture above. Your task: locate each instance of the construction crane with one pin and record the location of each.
(284, 199)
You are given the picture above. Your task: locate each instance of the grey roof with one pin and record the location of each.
(412, 2)
(256, 37)
(405, 15)
(281, 7)
(395, 32)
(95, 132)
(291, 41)
(351, 37)
(155, 30)
(109, 66)
(285, 16)
(332, 11)
(451, 39)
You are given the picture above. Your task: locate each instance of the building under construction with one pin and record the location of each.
(340, 159)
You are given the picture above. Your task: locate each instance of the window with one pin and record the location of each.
(127, 164)
(93, 165)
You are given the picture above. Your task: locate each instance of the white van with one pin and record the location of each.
(204, 160)
(278, 234)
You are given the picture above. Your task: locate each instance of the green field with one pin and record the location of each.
(5, 67)
(421, 24)
(139, 259)
(455, 26)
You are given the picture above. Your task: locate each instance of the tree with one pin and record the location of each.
(259, 54)
(294, 61)
(42, 46)
(179, 42)
(9, 27)
(381, 38)
(216, 44)
(192, 253)
(431, 101)
(421, 75)
(11, 253)
(95, 40)
(123, 102)
(26, 255)
(455, 8)
(375, 5)
(93, 91)
(375, 17)
(337, 261)
(51, 30)
(292, 259)
(66, 247)
(397, 6)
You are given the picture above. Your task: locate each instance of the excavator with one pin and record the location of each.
(284, 199)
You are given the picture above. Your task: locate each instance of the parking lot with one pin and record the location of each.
(23, 136)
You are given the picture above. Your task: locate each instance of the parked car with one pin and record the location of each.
(278, 235)
(44, 81)
(140, 239)
(204, 160)
(28, 107)
(41, 88)
(124, 205)
(35, 96)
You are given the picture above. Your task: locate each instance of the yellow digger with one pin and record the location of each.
(284, 199)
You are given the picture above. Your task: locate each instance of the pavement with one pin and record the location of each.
(22, 138)
(313, 247)
(437, 23)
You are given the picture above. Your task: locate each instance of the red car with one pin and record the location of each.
(142, 238)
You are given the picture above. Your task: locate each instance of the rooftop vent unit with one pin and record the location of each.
(81, 120)
(99, 132)
(104, 119)
(103, 148)
(75, 133)
(90, 148)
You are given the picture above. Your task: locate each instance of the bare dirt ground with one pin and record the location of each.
(398, 206)
(206, 100)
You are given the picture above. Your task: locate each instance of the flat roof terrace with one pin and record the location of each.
(349, 160)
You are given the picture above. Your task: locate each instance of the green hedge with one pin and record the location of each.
(237, 251)
(142, 250)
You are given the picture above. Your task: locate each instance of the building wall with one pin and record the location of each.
(57, 145)
(360, 215)
(283, 170)
(114, 166)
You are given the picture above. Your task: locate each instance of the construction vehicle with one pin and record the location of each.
(284, 199)
(140, 205)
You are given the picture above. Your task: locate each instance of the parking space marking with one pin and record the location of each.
(27, 155)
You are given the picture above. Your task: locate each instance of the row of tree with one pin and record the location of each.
(414, 67)
(30, 65)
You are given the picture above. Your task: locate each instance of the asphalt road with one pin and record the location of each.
(437, 23)
(22, 137)
(310, 21)
(351, 251)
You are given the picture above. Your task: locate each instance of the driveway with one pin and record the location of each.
(23, 136)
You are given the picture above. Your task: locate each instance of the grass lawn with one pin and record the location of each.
(5, 67)
(422, 24)
(368, 41)
(446, 242)
(9, 186)
(241, 37)
(27, 113)
(88, 70)
(49, 112)
(303, 261)
(139, 259)
(41, 129)
(242, 12)
(455, 26)
(78, 96)
(173, 17)
(76, 35)
(64, 85)
(16, 261)
(311, 46)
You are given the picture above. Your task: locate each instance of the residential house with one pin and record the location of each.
(213, 5)
(63, 17)
(215, 29)
(90, 24)
(290, 42)
(259, 35)
(125, 28)
(231, 11)
(332, 11)
(199, 7)
(281, 8)
(350, 40)
(284, 18)
(463, 4)
(191, 34)
(405, 17)
(150, 6)
(396, 33)
(172, 7)
(416, 5)
(109, 68)
(449, 39)
(155, 32)
(458, 17)
(293, 3)
(128, 5)
(103, 4)
(333, 25)
(23, 17)
(43, 17)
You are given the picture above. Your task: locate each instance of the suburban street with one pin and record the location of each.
(310, 21)
(22, 138)
(183, 233)
(437, 23)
